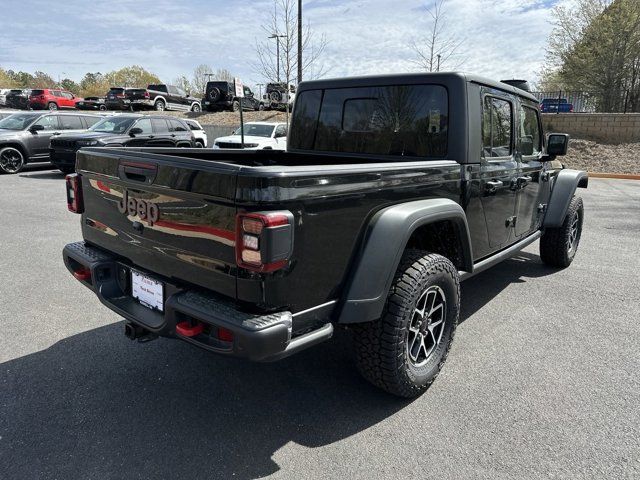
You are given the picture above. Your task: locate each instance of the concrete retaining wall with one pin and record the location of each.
(611, 128)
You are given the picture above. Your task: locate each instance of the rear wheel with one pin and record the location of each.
(11, 160)
(199, 144)
(405, 349)
(196, 108)
(102, 108)
(558, 246)
(160, 105)
(52, 106)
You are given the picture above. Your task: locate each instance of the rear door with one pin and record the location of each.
(162, 137)
(499, 167)
(528, 180)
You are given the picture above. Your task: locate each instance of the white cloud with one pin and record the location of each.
(503, 38)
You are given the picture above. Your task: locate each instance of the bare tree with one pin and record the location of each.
(200, 78)
(282, 26)
(440, 49)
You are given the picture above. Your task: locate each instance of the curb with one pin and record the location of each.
(621, 176)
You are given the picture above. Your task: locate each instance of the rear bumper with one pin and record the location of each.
(256, 337)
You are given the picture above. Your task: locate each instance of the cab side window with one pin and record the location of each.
(160, 125)
(145, 125)
(281, 131)
(71, 122)
(530, 138)
(497, 118)
(50, 122)
(176, 126)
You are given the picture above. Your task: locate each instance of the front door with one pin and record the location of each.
(499, 168)
(141, 139)
(529, 171)
(39, 141)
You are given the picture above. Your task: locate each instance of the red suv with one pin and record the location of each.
(47, 98)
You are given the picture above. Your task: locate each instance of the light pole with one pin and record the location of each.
(277, 37)
(299, 41)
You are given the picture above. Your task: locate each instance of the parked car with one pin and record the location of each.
(3, 96)
(51, 99)
(388, 195)
(555, 105)
(257, 136)
(25, 136)
(222, 96)
(18, 99)
(121, 98)
(198, 132)
(277, 96)
(169, 97)
(92, 103)
(125, 130)
(6, 113)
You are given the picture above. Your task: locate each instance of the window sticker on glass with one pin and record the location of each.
(434, 121)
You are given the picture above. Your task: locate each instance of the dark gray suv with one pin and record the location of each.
(24, 137)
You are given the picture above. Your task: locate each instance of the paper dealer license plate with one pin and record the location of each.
(147, 291)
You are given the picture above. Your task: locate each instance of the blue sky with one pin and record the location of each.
(503, 38)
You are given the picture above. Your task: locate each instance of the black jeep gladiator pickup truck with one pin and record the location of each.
(392, 191)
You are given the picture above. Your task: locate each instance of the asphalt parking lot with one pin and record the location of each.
(542, 380)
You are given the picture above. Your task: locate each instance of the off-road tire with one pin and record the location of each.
(160, 106)
(381, 347)
(558, 246)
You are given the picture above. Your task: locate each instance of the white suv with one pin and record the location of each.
(198, 132)
(257, 136)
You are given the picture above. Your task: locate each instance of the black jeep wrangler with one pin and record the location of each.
(221, 96)
(392, 191)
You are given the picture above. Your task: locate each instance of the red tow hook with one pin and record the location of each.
(187, 330)
(84, 274)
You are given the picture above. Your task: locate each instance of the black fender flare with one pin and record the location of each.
(384, 243)
(564, 187)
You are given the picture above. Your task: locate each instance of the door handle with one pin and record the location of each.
(493, 185)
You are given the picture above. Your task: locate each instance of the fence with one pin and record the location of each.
(561, 101)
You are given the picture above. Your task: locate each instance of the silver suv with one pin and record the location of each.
(25, 136)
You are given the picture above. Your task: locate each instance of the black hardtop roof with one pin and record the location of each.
(400, 78)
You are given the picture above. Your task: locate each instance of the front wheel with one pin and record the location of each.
(102, 108)
(11, 160)
(558, 246)
(235, 106)
(405, 349)
(196, 108)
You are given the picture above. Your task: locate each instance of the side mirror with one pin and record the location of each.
(526, 145)
(557, 144)
(36, 128)
(135, 131)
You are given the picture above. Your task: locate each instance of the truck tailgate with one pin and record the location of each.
(172, 218)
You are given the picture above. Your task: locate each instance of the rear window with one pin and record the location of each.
(37, 92)
(398, 120)
(158, 88)
(116, 90)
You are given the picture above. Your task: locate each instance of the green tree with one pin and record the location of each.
(595, 47)
(134, 76)
(6, 80)
(70, 85)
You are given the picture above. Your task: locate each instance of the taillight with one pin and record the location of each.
(264, 240)
(120, 95)
(74, 193)
(146, 95)
(570, 108)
